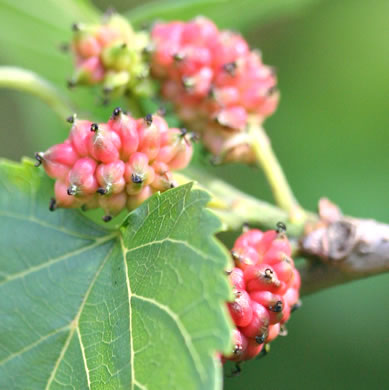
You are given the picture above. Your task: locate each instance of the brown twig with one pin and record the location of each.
(341, 249)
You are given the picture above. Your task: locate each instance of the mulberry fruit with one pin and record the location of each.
(111, 54)
(115, 165)
(266, 288)
(217, 84)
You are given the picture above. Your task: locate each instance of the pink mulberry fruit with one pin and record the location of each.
(217, 84)
(115, 165)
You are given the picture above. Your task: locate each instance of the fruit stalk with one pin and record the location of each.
(267, 160)
(236, 208)
(27, 81)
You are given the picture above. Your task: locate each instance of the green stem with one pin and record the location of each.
(235, 208)
(267, 159)
(27, 81)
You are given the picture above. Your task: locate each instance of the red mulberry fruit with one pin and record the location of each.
(266, 287)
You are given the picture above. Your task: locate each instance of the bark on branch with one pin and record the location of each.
(341, 249)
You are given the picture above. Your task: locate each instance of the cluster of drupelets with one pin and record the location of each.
(115, 165)
(111, 54)
(215, 81)
(266, 287)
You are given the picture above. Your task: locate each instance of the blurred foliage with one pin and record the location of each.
(223, 12)
(330, 132)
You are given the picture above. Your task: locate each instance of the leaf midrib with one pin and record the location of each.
(181, 328)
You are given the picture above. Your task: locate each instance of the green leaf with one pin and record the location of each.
(30, 34)
(83, 307)
(243, 15)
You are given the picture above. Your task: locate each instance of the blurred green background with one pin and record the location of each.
(330, 132)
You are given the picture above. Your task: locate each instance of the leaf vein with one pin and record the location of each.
(49, 226)
(32, 345)
(55, 260)
(83, 356)
(124, 252)
(142, 387)
(75, 325)
(172, 240)
(186, 336)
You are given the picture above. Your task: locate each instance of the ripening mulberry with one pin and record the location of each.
(111, 54)
(266, 290)
(217, 84)
(115, 165)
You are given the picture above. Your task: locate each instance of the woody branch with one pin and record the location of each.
(340, 249)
